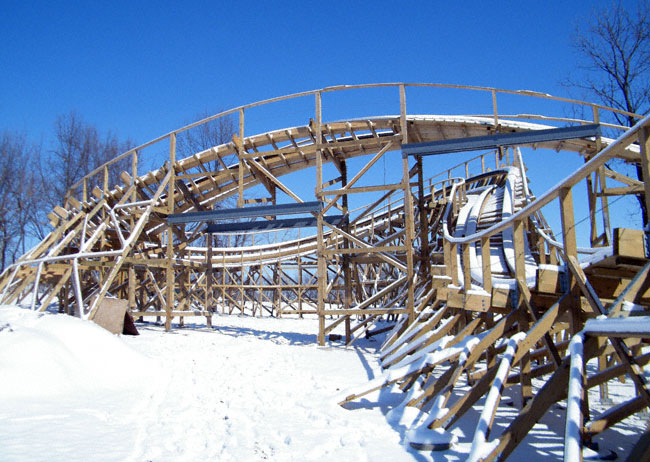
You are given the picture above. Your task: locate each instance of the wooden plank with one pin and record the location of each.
(110, 314)
(469, 301)
(630, 292)
(366, 311)
(548, 280)
(614, 415)
(629, 243)
(501, 298)
(434, 334)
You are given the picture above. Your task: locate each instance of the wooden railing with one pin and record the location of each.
(81, 187)
(561, 192)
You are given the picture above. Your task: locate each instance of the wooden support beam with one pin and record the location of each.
(635, 370)
(170, 292)
(644, 143)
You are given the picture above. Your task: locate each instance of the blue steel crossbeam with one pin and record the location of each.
(497, 140)
(272, 225)
(246, 212)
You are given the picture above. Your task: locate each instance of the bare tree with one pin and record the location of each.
(208, 135)
(18, 195)
(79, 148)
(614, 54)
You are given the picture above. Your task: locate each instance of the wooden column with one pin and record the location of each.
(486, 264)
(494, 110)
(134, 198)
(592, 189)
(300, 287)
(347, 276)
(644, 142)
(321, 271)
(604, 205)
(425, 262)
(520, 275)
(240, 188)
(570, 249)
(591, 199)
(209, 305)
(131, 290)
(568, 223)
(277, 293)
(169, 295)
(408, 209)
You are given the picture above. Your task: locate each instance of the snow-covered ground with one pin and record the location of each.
(248, 389)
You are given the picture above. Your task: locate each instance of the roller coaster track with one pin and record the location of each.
(480, 290)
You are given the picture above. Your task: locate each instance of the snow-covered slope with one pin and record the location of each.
(250, 389)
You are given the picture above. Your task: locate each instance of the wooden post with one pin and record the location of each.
(209, 308)
(321, 270)
(604, 205)
(467, 271)
(568, 223)
(408, 209)
(425, 260)
(485, 264)
(132, 305)
(240, 189)
(169, 303)
(591, 199)
(347, 276)
(644, 142)
(277, 293)
(452, 262)
(494, 109)
(570, 249)
(134, 174)
(520, 275)
(300, 287)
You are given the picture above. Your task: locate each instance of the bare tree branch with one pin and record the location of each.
(614, 63)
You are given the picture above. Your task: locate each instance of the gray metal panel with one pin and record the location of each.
(247, 212)
(271, 225)
(475, 143)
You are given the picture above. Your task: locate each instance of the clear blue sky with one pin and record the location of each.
(143, 68)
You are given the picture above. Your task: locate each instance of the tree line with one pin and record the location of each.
(33, 179)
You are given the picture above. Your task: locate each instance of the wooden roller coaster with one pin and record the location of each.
(464, 264)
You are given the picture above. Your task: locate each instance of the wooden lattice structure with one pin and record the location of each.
(466, 263)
